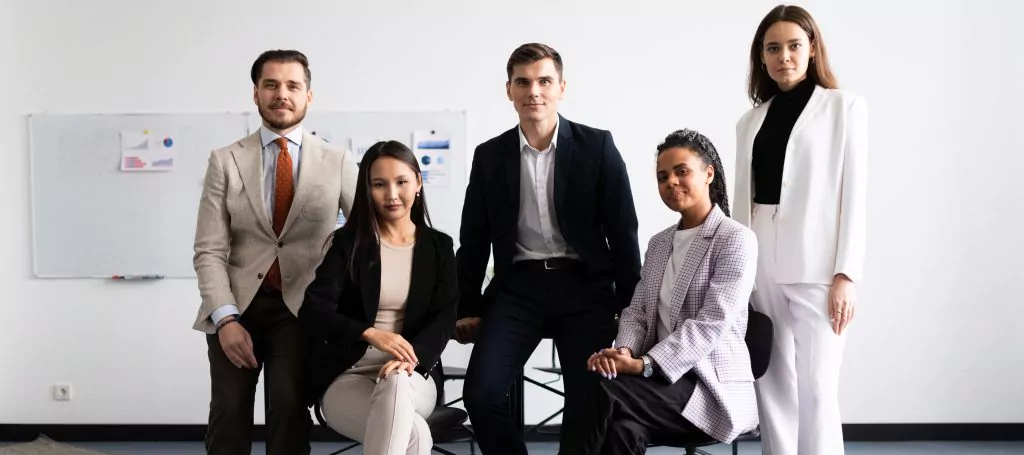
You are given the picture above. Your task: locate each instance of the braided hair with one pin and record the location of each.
(702, 146)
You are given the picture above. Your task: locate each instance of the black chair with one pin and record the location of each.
(759, 336)
(447, 424)
(458, 374)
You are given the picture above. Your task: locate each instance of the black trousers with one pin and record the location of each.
(280, 348)
(629, 412)
(573, 309)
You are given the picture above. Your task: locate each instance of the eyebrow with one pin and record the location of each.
(524, 79)
(794, 40)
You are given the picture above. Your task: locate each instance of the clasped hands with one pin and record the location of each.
(610, 362)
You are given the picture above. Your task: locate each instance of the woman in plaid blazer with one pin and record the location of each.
(679, 362)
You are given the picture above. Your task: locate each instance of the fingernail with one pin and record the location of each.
(593, 369)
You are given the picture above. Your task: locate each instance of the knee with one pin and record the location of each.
(397, 383)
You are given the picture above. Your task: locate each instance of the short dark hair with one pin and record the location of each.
(760, 86)
(533, 52)
(280, 56)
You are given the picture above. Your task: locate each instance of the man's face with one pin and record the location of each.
(282, 95)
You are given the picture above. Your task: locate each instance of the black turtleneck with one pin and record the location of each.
(772, 139)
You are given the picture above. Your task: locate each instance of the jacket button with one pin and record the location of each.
(280, 244)
(259, 275)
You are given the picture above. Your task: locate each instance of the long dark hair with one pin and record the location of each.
(760, 86)
(702, 146)
(362, 220)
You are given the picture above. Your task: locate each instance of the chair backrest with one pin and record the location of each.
(760, 333)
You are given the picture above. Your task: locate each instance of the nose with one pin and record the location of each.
(392, 193)
(535, 89)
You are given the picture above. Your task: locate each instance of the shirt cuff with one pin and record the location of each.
(223, 312)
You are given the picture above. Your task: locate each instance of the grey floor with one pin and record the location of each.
(852, 448)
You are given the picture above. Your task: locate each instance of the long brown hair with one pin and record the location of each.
(760, 86)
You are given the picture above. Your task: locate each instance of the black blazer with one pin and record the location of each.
(593, 203)
(337, 309)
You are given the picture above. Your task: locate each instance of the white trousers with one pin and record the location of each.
(798, 397)
(388, 417)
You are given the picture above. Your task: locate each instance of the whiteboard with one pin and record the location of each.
(91, 219)
(444, 201)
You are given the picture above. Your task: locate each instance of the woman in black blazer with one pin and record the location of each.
(381, 309)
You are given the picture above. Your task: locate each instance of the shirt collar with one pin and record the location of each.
(267, 136)
(522, 137)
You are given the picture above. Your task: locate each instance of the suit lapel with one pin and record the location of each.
(309, 165)
(817, 96)
(369, 277)
(249, 159)
(659, 261)
(563, 165)
(422, 280)
(511, 161)
(694, 259)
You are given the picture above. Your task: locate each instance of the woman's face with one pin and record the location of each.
(683, 178)
(786, 54)
(393, 185)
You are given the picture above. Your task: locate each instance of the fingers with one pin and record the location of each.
(248, 352)
(387, 369)
(410, 368)
(235, 358)
(410, 352)
(607, 366)
(592, 362)
(847, 317)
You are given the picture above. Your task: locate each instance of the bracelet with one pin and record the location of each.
(227, 320)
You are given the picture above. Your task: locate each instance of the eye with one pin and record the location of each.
(772, 49)
(795, 46)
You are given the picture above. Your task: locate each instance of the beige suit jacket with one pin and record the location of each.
(235, 243)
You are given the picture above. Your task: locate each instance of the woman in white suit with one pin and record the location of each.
(801, 176)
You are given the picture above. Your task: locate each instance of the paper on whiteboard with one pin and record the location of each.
(433, 151)
(359, 145)
(144, 151)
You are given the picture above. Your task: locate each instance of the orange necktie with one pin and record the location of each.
(284, 189)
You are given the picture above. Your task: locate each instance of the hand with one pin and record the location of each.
(841, 303)
(391, 343)
(610, 362)
(393, 366)
(466, 330)
(237, 345)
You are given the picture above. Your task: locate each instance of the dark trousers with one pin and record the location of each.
(573, 309)
(280, 348)
(629, 412)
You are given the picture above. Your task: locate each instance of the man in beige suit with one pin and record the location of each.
(269, 201)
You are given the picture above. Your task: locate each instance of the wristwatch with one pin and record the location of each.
(648, 366)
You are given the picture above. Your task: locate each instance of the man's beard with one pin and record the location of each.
(282, 124)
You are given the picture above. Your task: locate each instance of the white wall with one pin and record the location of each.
(936, 339)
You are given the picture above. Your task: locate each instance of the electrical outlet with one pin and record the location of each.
(62, 392)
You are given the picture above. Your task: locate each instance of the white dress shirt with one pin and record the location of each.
(538, 234)
(269, 158)
(681, 241)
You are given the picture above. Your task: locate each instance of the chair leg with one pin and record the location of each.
(441, 450)
(735, 448)
(701, 452)
(691, 451)
(346, 449)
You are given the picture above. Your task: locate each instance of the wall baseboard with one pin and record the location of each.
(889, 432)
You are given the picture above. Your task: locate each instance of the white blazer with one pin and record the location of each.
(821, 217)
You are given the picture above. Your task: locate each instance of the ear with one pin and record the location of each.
(561, 87)
(711, 173)
(508, 89)
(255, 94)
(309, 96)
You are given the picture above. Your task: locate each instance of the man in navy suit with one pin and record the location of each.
(553, 200)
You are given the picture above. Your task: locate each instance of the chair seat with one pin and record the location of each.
(453, 372)
(445, 418)
(688, 439)
(552, 370)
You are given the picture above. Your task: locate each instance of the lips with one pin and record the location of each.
(392, 206)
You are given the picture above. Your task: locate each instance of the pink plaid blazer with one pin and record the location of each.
(709, 320)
